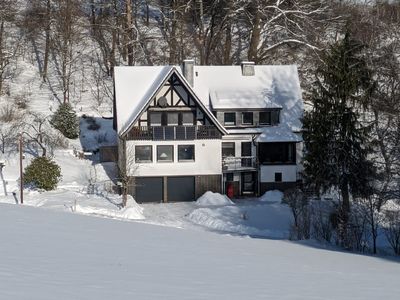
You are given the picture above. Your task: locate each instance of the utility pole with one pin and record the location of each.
(21, 173)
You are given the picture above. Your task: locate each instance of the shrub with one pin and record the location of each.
(66, 121)
(8, 113)
(43, 173)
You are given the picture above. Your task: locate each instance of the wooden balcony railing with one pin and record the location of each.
(170, 133)
(231, 163)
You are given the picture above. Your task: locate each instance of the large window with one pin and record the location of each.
(165, 153)
(229, 118)
(277, 153)
(185, 152)
(143, 154)
(228, 149)
(247, 118)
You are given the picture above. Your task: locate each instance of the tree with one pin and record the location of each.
(66, 121)
(43, 173)
(337, 143)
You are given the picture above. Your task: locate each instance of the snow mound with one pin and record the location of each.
(132, 211)
(213, 199)
(274, 196)
(245, 220)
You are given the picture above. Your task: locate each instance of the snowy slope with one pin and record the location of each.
(55, 255)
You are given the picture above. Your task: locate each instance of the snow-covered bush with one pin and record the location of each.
(43, 173)
(66, 121)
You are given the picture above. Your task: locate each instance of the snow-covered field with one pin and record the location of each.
(56, 255)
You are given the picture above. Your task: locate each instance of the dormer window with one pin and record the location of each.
(269, 117)
(229, 119)
(247, 118)
(265, 118)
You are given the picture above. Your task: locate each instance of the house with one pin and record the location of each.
(184, 130)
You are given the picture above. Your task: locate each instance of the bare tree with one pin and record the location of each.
(39, 131)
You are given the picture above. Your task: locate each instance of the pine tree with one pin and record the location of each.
(337, 143)
(43, 173)
(66, 121)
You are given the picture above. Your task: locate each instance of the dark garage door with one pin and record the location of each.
(180, 188)
(149, 189)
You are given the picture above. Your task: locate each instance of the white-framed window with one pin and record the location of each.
(144, 154)
(165, 153)
(230, 119)
(247, 118)
(186, 153)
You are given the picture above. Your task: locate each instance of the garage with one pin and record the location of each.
(180, 188)
(149, 189)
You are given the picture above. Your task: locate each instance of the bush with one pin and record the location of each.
(43, 173)
(66, 121)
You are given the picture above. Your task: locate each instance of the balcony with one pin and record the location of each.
(171, 133)
(243, 163)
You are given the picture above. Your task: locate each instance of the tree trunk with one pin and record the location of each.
(255, 36)
(129, 32)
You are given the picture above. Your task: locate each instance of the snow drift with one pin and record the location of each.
(213, 199)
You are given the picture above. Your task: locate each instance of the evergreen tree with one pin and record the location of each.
(43, 173)
(66, 121)
(337, 143)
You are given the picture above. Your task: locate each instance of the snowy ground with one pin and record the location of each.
(56, 255)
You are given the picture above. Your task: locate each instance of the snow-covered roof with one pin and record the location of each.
(281, 133)
(243, 99)
(136, 86)
(218, 87)
(270, 87)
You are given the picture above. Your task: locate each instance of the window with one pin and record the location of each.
(265, 118)
(275, 117)
(247, 118)
(228, 149)
(155, 119)
(172, 118)
(143, 154)
(278, 177)
(165, 153)
(187, 118)
(230, 119)
(185, 152)
(277, 153)
(229, 176)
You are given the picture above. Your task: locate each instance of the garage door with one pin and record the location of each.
(180, 188)
(149, 189)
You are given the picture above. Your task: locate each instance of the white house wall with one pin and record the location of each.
(267, 173)
(207, 159)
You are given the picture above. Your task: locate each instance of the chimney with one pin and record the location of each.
(247, 68)
(188, 70)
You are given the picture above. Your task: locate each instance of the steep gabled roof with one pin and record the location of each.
(136, 86)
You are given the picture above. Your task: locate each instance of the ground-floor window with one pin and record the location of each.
(165, 153)
(143, 153)
(186, 153)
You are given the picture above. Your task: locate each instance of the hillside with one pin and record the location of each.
(48, 255)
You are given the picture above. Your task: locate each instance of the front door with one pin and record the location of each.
(248, 182)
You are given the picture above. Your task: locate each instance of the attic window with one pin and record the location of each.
(247, 118)
(230, 119)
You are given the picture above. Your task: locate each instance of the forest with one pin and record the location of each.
(70, 48)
